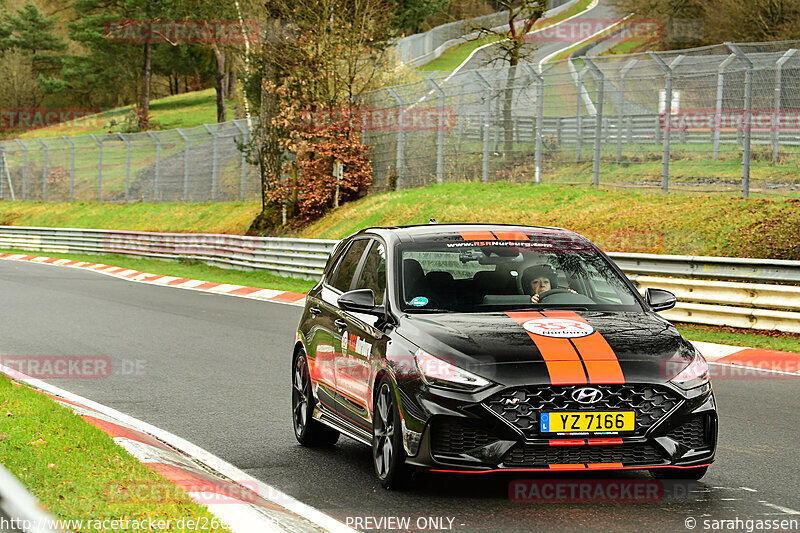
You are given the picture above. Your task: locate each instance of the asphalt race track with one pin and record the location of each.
(602, 14)
(215, 370)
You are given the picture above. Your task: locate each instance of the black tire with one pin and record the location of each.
(388, 454)
(309, 432)
(679, 473)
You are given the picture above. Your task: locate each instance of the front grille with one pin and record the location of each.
(454, 436)
(542, 456)
(691, 434)
(520, 407)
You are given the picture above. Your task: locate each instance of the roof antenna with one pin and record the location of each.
(432, 221)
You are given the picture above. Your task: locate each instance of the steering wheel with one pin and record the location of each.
(552, 292)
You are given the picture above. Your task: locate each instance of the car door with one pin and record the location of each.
(362, 341)
(325, 342)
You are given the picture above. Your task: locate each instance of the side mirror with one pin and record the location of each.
(659, 299)
(359, 301)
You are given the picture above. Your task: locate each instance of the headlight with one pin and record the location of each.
(695, 373)
(440, 373)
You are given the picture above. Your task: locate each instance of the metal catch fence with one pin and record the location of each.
(181, 165)
(733, 122)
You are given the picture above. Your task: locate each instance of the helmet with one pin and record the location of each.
(538, 271)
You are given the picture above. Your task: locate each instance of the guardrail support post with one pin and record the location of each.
(440, 133)
(44, 170)
(127, 165)
(776, 135)
(400, 155)
(156, 191)
(598, 118)
(71, 167)
(718, 111)
(621, 105)
(748, 119)
(185, 164)
(24, 170)
(486, 125)
(99, 167)
(214, 162)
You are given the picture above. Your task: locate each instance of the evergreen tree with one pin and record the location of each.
(32, 33)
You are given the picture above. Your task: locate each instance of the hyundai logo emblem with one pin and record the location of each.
(587, 395)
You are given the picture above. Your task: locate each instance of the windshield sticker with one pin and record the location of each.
(563, 328)
(419, 301)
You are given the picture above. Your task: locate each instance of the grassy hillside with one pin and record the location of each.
(631, 221)
(617, 220)
(179, 111)
(232, 218)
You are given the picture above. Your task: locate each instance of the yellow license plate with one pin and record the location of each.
(587, 421)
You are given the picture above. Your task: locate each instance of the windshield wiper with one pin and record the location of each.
(533, 307)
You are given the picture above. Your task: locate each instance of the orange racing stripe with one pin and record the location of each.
(601, 362)
(477, 236)
(563, 363)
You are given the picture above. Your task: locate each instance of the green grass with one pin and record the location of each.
(617, 220)
(768, 340)
(179, 111)
(76, 470)
(228, 217)
(185, 269)
(454, 56)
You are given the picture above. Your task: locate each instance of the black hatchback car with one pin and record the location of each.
(485, 348)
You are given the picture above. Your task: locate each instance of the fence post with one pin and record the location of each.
(44, 170)
(621, 105)
(185, 164)
(486, 125)
(400, 156)
(579, 114)
(748, 122)
(3, 173)
(127, 165)
(718, 110)
(668, 76)
(539, 80)
(440, 133)
(243, 181)
(214, 162)
(776, 136)
(24, 170)
(598, 118)
(99, 167)
(156, 192)
(71, 167)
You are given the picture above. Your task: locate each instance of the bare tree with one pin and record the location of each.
(513, 47)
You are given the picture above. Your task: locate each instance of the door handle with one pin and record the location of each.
(341, 324)
(315, 311)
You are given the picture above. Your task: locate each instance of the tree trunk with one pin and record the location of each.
(221, 84)
(508, 102)
(144, 96)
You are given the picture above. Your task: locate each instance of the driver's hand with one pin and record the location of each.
(535, 299)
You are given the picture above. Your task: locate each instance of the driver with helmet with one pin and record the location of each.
(538, 279)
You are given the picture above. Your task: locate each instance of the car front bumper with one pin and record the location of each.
(464, 433)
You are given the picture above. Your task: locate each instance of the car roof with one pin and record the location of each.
(428, 232)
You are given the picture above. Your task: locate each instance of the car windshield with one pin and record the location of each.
(478, 276)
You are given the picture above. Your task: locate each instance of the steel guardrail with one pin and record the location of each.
(739, 292)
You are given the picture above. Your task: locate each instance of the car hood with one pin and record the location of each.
(499, 347)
